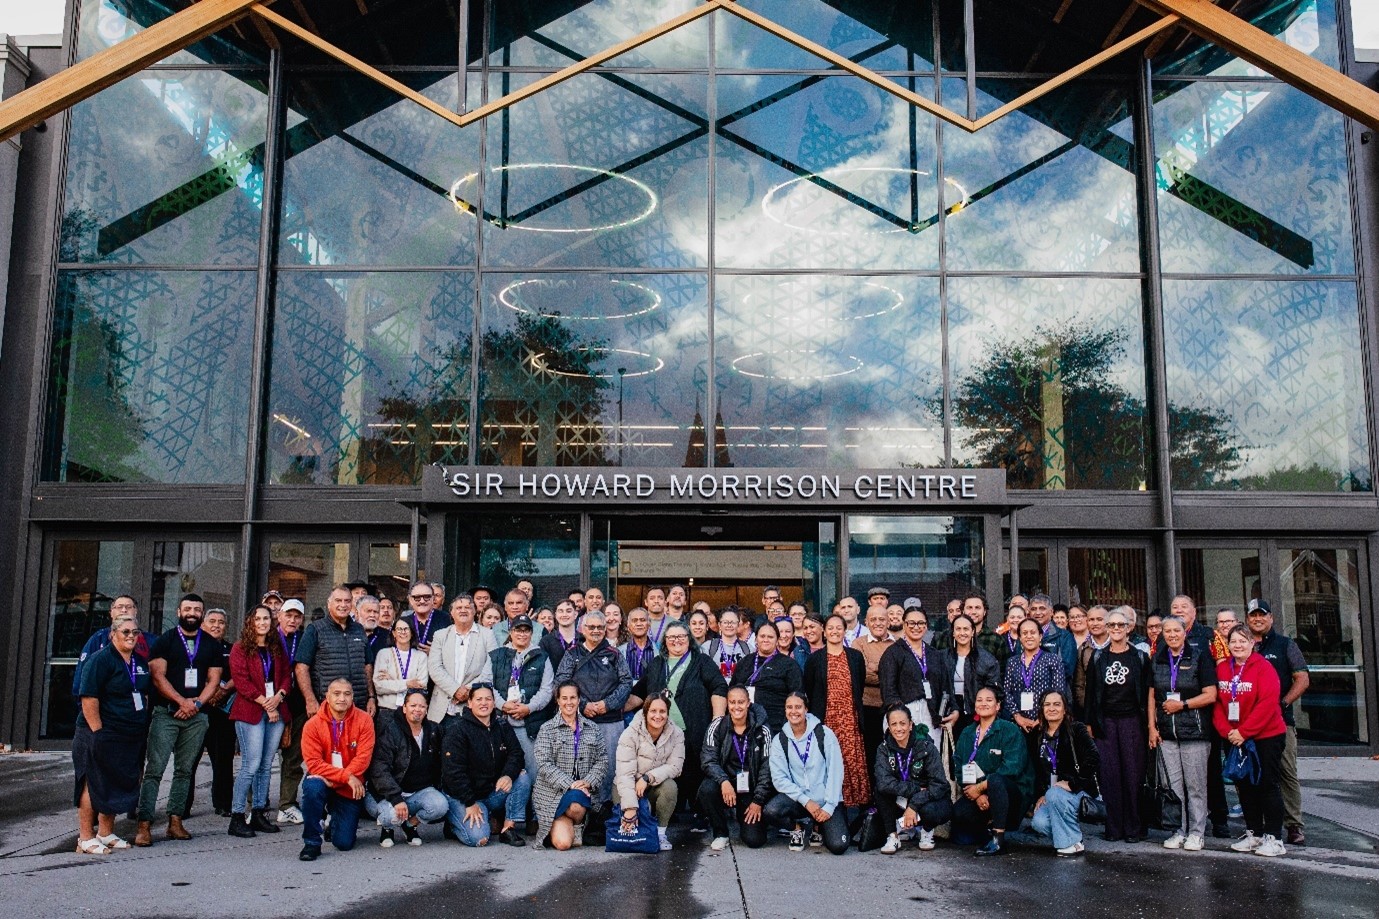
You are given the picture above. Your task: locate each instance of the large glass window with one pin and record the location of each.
(1109, 576)
(1048, 380)
(1221, 148)
(166, 167)
(88, 575)
(933, 558)
(543, 550)
(880, 34)
(308, 571)
(1266, 385)
(1319, 608)
(594, 370)
(1308, 26)
(203, 568)
(150, 376)
(370, 378)
(1220, 578)
(532, 33)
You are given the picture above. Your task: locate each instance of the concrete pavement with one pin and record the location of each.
(40, 875)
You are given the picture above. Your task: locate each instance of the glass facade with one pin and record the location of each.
(717, 250)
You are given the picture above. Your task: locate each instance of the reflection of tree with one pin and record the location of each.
(1048, 411)
(99, 428)
(541, 402)
(1312, 477)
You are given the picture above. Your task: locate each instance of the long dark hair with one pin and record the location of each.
(248, 641)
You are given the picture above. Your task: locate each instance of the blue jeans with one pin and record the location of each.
(514, 804)
(257, 743)
(426, 805)
(317, 798)
(1057, 817)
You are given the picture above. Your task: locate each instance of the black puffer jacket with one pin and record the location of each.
(927, 781)
(393, 751)
(718, 750)
(475, 756)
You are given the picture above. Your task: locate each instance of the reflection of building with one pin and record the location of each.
(1147, 296)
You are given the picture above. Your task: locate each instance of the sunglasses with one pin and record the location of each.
(421, 596)
(126, 632)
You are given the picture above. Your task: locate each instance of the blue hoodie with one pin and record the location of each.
(820, 779)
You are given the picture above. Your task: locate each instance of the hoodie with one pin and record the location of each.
(355, 746)
(820, 778)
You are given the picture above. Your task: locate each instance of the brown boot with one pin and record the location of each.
(144, 837)
(176, 830)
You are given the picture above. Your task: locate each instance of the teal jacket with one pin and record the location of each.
(1002, 752)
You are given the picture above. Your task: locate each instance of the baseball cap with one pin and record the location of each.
(1259, 605)
(913, 603)
(520, 622)
(271, 593)
(294, 604)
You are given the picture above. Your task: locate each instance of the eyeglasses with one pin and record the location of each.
(1117, 625)
(670, 638)
(421, 596)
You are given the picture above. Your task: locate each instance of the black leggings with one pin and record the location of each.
(783, 812)
(931, 814)
(1006, 812)
(1263, 803)
(712, 807)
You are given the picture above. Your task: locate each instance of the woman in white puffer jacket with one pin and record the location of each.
(651, 754)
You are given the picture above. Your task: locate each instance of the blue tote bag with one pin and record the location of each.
(644, 840)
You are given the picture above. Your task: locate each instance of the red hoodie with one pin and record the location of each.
(355, 746)
(1261, 715)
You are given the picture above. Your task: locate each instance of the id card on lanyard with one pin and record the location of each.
(1173, 695)
(579, 726)
(971, 772)
(1233, 707)
(743, 780)
(514, 690)
(266, 660)
(134, 685)
(337, 735)
(904, 767)
(191, 679)
(1027, 675)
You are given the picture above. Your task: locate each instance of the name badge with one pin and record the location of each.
(337, 760)
(1173, 697)
(971, 774)
(751, 694)
(925, 691)
(902, 802)
(138, 702)
(514, 693)
(742, 784)
(269, 689)
(190, 678)
(1026, 701)
(1233, 711)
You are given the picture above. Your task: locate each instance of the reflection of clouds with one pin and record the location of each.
(1280, 360)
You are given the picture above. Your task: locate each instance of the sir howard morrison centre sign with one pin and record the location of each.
(726, 487)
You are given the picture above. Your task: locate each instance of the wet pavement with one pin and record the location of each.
(1336, 875)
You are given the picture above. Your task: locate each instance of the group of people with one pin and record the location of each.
(501, 721)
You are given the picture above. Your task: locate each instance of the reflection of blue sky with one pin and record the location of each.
(1281, 360)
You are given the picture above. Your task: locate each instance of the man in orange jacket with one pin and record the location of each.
(337, 746)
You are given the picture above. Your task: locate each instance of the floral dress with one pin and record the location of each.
(841, 717)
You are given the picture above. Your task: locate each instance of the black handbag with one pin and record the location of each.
(872, 834)
(1091, 810)
(1161, 808)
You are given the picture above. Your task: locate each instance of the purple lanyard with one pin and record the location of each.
(676, 666)
(1049, 747)
(906, 764)
(266, 660)
(424, 635)
(741, 748)
(757, 667)
(292, 648)
(1027, 672)
(516, 670)
(657, 637)
(133, 668)
(403, 668)
(1173, 670)
(579, 726)
(337, 734)
(808, 744)
(1235, 679)
(564, 645)
(636, 658)
(192, 649)
(373, 637)
(977, 743)
(922, 659)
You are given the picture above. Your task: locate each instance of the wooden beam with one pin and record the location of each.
(1063, 78)
(1347, 96)
(86, 78)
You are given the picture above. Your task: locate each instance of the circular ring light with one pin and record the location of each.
(651, 363)
(510, 297)
(652, 202)
(793, 362)
(899, 301)
(772, 197)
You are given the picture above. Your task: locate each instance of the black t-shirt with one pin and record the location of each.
(105, 677)
(1118, 683)
(421, 769)
(200, 652)
(373, 643)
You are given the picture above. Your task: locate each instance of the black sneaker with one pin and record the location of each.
(412, 833)
(385, 838)
(309, 853)
(1221, 831)
(512, 837)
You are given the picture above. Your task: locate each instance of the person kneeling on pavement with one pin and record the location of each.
(736, 761)
(404, 776)
(481, 772)
(1065, 771)
(911, 787)
(337, 747)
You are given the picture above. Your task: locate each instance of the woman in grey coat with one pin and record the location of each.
(571, 763)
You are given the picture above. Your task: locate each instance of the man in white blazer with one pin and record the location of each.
(458, 659)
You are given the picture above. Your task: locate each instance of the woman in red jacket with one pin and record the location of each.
(262, 675)
(1247, 708)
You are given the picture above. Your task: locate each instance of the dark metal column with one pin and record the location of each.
(249, 580)
(1156, 382)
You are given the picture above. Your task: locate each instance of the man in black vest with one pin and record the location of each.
(334, 648)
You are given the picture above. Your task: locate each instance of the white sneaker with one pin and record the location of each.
(1247, 843)
(1193, 843)
(1270, 847)
(665, 842)
(719, 843)
(892, 845)
(1076, 848)
(1174, 842)
(816, 839)
(926, 840)
(291, 814)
